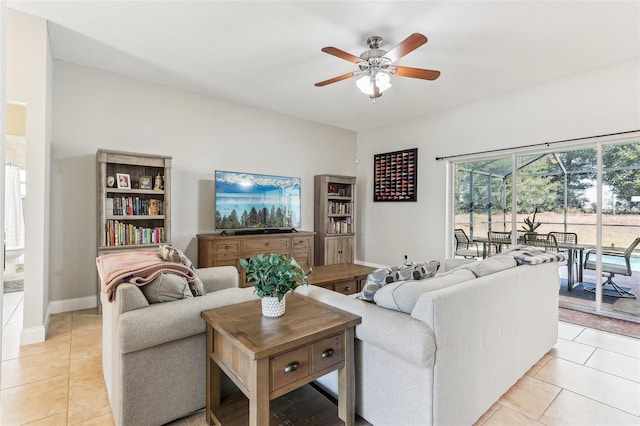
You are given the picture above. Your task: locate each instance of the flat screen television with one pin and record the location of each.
(255, 201)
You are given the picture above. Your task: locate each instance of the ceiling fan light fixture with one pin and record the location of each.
(366, 82)
(383, 81)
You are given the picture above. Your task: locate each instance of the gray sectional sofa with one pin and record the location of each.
(445, 363)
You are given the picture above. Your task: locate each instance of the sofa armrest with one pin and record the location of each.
(392, 331)
(166, 322)
(489, 331)
(128, 297)
(219, 277)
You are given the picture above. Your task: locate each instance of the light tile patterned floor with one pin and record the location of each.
(591, 377)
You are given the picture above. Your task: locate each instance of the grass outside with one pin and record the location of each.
(618, 230)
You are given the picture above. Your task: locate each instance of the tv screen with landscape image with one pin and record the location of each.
(255, 201)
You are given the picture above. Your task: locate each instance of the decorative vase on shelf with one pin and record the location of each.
(111, 181)
(272, 307)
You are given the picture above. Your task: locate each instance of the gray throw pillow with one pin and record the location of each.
(381, 277)
(175, 255)
(166, 288)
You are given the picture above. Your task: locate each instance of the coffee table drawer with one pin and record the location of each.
(327, 352)
(289, 367)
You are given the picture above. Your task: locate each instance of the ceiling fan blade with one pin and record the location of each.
(336, 79)
(417, 73)
(341, 54)
(409, 44)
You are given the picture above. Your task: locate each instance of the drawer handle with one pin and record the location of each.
(348, 288)
(327, 354)
(292, 367)
(267, 244)
(227, 247)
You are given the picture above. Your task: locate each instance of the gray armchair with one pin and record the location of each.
(612, 267)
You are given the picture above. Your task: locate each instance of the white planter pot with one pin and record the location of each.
(273, 308)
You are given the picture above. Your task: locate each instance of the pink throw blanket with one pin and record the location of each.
(137, 268)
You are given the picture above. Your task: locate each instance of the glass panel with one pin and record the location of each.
(482, 196)
(620, 227)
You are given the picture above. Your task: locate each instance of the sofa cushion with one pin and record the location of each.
(173, 254)
(403, 295)
(491, 265)
(166, 288)
(381, 277)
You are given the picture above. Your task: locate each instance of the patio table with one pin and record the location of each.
(573, 250)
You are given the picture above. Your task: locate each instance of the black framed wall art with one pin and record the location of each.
(395, 176)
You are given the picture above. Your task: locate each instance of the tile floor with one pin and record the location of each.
(591, 377)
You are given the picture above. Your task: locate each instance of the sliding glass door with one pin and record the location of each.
(559, 192)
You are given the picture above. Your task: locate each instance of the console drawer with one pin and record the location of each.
(346, 287)
(289, 367)
(327, 352)
(301, 242)
(265, 245)
(223, 248)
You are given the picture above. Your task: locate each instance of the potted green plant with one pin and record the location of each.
(530, 225)
(273, 276)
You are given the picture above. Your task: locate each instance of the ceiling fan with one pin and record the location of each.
(376, 65)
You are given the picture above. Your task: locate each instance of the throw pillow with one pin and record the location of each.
(166, 288)
(528, 255)
(403, 295)
(417, 271)
(375, 281)
(381, 277)
(173, 254)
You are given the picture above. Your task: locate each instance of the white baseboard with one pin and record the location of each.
(32, 335)
(370, 264)
(58, 306)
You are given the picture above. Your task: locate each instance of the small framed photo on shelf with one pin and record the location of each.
(145, 182)
(123, 180)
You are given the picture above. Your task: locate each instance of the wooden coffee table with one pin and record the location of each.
(269, 357)
(347, 278)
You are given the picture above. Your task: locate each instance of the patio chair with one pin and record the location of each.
(567, 238)
(520, 233)
(546, 242)
(498, 239)
(465, 247)
(622, 267)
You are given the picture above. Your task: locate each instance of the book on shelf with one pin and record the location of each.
(134, 206)
(124, 234)
(339, 207)
(339, 225)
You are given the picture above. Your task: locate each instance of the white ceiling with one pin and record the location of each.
(267, 53)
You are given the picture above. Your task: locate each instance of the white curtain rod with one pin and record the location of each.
(535, 145)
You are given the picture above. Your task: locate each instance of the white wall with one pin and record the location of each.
(28, 74)
(601, 101)
(94, 109)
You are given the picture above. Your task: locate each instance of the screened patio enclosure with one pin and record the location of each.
(558, 192)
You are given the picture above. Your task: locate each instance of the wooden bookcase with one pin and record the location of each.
(335, 219)
(132, 218)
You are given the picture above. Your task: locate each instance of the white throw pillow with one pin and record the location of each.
(403, 295)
